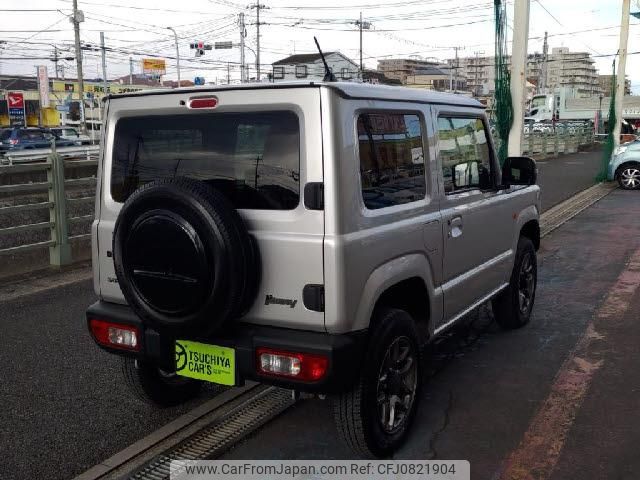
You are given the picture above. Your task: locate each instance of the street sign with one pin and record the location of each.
(15, 104)
(198, 81)
(43, 86)
(154, 66)
(62, 108)
(223, 45)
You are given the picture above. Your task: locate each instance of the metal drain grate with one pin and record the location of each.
(561, 213)
(214, 439)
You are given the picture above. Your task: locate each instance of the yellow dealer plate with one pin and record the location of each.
(212, 363)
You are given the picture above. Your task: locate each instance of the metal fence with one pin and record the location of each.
(548, 142)
(55, 187)
(41, 154)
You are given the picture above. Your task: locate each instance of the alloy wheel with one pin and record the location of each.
(630, 177)
(526, 284)
(397, 383)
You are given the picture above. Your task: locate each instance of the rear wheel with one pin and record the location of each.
(157, 386)
(374, 417)
(629, 177)
(512, 308)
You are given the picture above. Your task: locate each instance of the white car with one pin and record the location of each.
(72, 134)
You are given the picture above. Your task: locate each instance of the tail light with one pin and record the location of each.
(300, 366)
(14, 141)
(115, 335)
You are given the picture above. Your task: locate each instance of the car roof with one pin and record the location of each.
(351, 90)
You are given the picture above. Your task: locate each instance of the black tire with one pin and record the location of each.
(184, 259)
(356, 413)
(153, 385)
(628, 176)
(508, 309)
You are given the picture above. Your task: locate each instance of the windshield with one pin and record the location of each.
(538, 101)
(253, 158)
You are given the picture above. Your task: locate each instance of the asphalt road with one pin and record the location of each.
(64, 407)
(560, 178)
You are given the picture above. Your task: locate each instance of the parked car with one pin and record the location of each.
(311, 236)
(624, 166)
(71, 134)
(28, 138)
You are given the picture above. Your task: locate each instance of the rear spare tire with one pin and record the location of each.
(183, 257)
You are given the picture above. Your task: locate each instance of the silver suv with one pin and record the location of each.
(313, 236)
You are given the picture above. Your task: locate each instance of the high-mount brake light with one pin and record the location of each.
(203, 102)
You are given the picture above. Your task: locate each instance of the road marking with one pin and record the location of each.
(542, 443)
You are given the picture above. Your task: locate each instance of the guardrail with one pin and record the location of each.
(42, 154)
(57, 203)
(550, 142)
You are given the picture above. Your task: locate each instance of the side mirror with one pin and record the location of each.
(519, 171)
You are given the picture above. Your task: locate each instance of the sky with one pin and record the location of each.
(425, 29)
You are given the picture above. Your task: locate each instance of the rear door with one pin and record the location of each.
(477, 221)
(259, 147)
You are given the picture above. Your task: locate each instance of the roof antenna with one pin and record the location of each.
(328, 74)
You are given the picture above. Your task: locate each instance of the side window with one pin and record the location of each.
(278, 73)
(391, 159)
(301, 71)
(464, 151)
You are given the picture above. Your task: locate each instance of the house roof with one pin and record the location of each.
(432, 71)
(308, 58)
(301, 58)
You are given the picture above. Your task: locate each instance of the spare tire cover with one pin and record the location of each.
(183, 257)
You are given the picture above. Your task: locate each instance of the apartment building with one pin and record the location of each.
(401, 68)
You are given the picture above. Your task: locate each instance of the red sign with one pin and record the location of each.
(15, 100)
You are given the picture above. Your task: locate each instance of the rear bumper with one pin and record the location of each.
(344, 352)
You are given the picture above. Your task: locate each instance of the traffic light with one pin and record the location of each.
(199, 47)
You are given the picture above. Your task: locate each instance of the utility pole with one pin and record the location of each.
(363, 26)
(130, 70)
(518, 74)
(622, 65)
(175, 36)
(104, 63)
(55, 59)
(228, 73)
(452, 75)
(475, 80)
(243, 33)
(78, 17)
(258, 6)
(360, 24)
(542, 84)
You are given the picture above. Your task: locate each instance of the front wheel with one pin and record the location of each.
(629, 177)
(374, 417)
(512, 307)
(156, 386)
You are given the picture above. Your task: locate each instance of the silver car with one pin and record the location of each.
(624, 166)
(307, 235)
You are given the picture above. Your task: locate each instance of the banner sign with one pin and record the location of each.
(43, 86)
(154, 66)
(15, 104)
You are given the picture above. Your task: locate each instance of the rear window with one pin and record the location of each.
(252, 158)
(5, 134)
